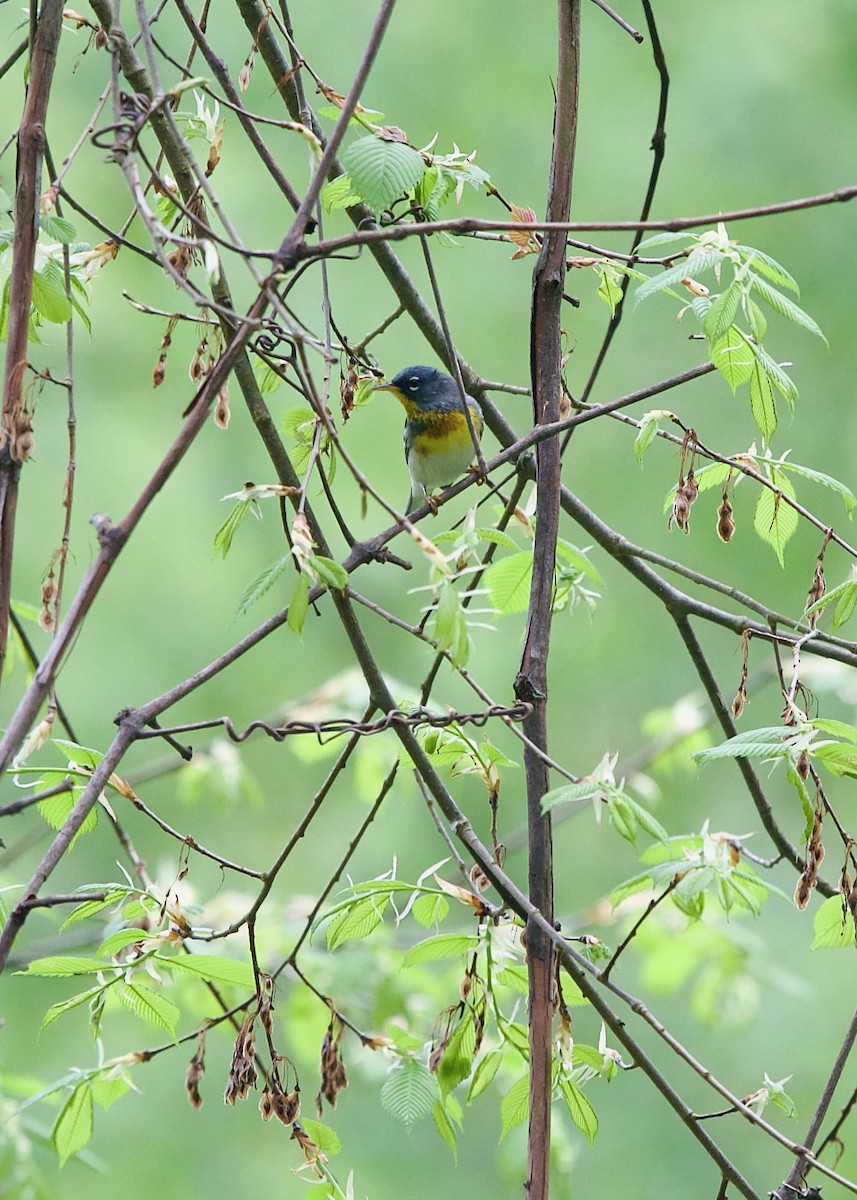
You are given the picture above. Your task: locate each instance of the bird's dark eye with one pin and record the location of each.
(414, 383)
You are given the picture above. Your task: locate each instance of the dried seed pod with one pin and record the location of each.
(333, 1076)
(816, 592)
(725, 520)
(802, 765)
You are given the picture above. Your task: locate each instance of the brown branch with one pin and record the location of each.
(15, 435)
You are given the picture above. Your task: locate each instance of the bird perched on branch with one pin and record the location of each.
(439, 445)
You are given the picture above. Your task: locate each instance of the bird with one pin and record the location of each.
(438, 444)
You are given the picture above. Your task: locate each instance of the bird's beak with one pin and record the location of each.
(382, 387)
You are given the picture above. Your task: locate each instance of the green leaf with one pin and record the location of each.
(430, 909)
(382, 171)
(497, 537)
(733, 357)
(833, 925)
(508, 581)
(515, 1106)
(73, 1127)
(150, 1006)
(483, 1076)
(457, 1060)
(697, 262)
(648, 431)
(762, 404)
(409, 1093)
(608, 289)
(216, 968)
(106, 1090)
(299, 604)
(848, 497)
(332, 574)
(844, 604)
(839, 759)
(226, 532)
(57, 1010)
(445, 1127)
(781, 381)
(785, 307)
(338, 193)
(450, 624)
(90, 908)
(776, 523)
(565, 552)
(57, 228)
(766, 742)
(119, 940)
(580, 1110)
(721, 313)
(49, 298)
(769, 267)
(356, 921)
(63, 966)
(570, 793)
(444, 945)
(324, 1137)
(758, 321)
(263, 583)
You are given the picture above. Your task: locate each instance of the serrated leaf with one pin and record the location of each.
(445, 1127)
(150, 1006)
(766, 742)
(90, 908)
(775, 522)
(721, 312)
(839, 758)
(409, 1093)
(64, 1006)
(565, 552)
(786, 307)
(73, 1127)
(569, 793)
(299, 604)
(55, 810)
(508, 581)
(430, 909)
(762, 404)
(263, 583)
(769, 267)
(848, 497)
(327, 571)
(457, 1060)
(338, 193)
(497, 537)
(844, 604)
(357, 921)
(515, 1105)
(514, 977)
(733, 357)
(781, 381)
(63, 966)
(382, 171)
(106, 1090)
(325, 1138)
(57, 228)
(483, 1076)
(217, 968)
(608, 289)
(580, 1110)
(226, 532)
(443, 945)
(833, 925)
(648, 431)
(49, 298)
(119, 940)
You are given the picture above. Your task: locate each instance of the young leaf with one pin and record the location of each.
(833, 925)
(430, 909)
(49, 298)
(483, 1076)
(410, 1092)
(381, 171)
(721, 313)
(263, 583)
(762, 404)
(508, 581)
(457, 1061)
(776, 523)
(63, 966)
(580, 1110)
(299, 604)
(216, 968)
(733, 357)
(73, 1127)
(356, 921)
(785, 307)
(444, 945)
(150, 1005)
(515, 1105)
(444, 1126)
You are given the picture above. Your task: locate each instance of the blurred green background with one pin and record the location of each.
(761, 110)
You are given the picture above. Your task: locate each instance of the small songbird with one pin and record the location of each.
(438, 443)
